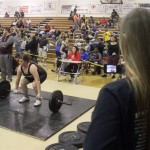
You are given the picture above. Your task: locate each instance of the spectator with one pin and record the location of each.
(120, 120)
(73, 55)
(47, 28)
(16, 15)
(114, 15)
(43, 48)
(103, 23)
(22, 14)
(6, 15)
(106, 36)
(6, 46)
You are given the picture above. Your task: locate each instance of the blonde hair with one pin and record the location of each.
(134, 44)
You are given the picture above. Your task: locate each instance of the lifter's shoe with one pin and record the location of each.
(37, 103)
(24, 99)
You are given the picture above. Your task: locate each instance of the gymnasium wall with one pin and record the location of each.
(41, 8)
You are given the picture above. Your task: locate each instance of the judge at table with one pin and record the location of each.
(74, 55)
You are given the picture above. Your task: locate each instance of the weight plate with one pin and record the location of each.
(61, 146)
(83, 126)
(54, 104)
(75, 138)
(5, 88)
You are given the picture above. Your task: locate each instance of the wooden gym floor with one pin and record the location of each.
(88, 88)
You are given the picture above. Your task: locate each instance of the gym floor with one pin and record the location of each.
(89, 89)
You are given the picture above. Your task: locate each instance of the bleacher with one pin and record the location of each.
(61, 23)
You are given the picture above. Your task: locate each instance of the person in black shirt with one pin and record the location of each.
(120, 120)
(34, 74)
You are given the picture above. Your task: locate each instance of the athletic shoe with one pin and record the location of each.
(24, 99)
(37, 103)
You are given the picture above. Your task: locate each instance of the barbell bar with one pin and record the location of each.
(55, 100)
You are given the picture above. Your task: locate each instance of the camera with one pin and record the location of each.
(120, 69)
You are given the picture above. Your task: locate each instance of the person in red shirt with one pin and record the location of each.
(47, 28)
(103, 23)
(74, 55)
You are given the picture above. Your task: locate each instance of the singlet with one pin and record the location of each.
(29, 75)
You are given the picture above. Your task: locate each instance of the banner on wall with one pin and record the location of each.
(82, 8)
(35, 9)
(128, 7)
(109, 8)
(12, 9)
(97, 8)
(50, 6)
(66, 8)
(111, 1)
(145, 5)
(25, 9)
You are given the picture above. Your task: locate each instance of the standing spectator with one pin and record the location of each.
(22, 14)
(114, 15)
(43, 48)
(6, 46)
(106, 36)
(16, 15)
(33, 46)
(75, 10)
(6, 15)
(17, 41)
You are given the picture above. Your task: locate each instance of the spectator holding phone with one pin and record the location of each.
(113, 54)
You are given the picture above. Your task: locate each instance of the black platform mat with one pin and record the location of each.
(40, 122)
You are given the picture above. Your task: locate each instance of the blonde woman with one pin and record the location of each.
(121, 119)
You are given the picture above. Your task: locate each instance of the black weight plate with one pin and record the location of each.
(75, 138)
(83, 126)
(61, 146)
(54, 104)
(5, 88)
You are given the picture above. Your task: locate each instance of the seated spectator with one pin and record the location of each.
(110, 23)
(56, 34)
(20, 23)
(84, 57)
(22, 14)
(103, 23)
(28, 23)
(51, 31)
(73, 55)
(95, 57)
(14, 22)
(47, 28)
(91, 21)
(84, 54)
(6, 15)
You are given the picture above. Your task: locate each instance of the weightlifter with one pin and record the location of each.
(34, 74)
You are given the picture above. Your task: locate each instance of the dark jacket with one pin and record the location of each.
(6, 44)
(114, 123)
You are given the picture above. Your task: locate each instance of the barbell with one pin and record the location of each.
(55, 100)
